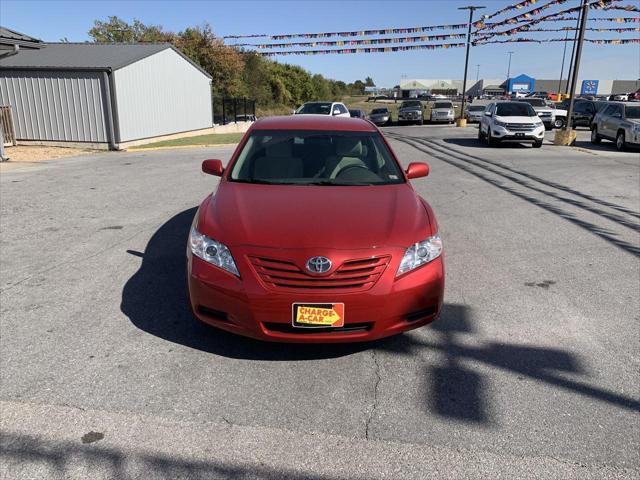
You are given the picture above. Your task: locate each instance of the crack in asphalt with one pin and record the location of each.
(374, 406)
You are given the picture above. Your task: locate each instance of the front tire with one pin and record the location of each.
(480, 134)
(537, 144)
(490, 140)
(595, 138)
(621, 144)
(559, 123)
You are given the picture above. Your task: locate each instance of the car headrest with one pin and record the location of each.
(278, 149)
(348, 147)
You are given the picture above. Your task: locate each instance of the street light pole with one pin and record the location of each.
(471, 8)
(477, 72)
(509, 70)
(566, 36)
(573, 52)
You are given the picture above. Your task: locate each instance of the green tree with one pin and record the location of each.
(116, 30)
(369, 82)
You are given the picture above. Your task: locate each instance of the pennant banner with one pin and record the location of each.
(626, 8)
(344, 51)
(357, 33)
(617, 41)
(515, 6)
(372, 41)
(530, 15)
(619, 30)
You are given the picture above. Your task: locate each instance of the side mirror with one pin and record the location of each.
(213, 167)
(336, 111)
(488, 114)
(417, 170)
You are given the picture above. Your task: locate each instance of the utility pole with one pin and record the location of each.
(564, 52)
(566, 136)
(509, 71)
(477, 72)
(471, 8)
(573, 52)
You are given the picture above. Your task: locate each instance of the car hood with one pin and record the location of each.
(635, 121)
(315, 216)
(527, 120)
(375, 115)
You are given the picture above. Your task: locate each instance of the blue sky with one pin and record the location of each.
(52, 20)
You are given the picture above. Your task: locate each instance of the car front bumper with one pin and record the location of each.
(380, 120)
(246, 306)
(505, 135)
(409, 117)
(442, 118)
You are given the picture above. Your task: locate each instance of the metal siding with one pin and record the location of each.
(55, 106)
(160, 95)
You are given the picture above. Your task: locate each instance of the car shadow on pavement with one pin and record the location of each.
(155, 299)
(456, 388)
(475, 143)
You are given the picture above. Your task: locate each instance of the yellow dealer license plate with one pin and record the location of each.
(318, 314)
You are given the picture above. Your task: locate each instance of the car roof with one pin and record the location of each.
(314, 122)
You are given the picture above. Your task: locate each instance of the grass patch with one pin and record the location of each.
(210, 139)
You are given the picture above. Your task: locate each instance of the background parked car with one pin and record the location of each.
(357, 113)
(336, 109)
(443, 111)
(474, 113)
(511, 122)
(411, 111)
(551, 116)
(380, 116)
(618, 122)
(584, 111)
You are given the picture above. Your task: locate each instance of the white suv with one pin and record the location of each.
(511, 122)
(335, 109)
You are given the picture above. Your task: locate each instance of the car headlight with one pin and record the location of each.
(212, 251)
(538, 124)
(420, 253)
(499, 123)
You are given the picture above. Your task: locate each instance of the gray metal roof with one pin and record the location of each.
(11, 37)
(86, 56)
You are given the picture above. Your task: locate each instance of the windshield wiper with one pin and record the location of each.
(337, 184)
(262, 181)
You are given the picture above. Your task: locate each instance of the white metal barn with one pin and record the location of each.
(103, 95)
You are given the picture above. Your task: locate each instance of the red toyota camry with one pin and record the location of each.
(315, 235)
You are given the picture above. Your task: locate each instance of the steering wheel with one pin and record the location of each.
(349, 167)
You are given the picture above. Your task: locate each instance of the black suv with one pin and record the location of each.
(583, 111)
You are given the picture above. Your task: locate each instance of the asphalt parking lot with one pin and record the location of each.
(531, 372)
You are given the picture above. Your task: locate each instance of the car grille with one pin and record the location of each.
(520, 127)
(352, 275)
(544, 114)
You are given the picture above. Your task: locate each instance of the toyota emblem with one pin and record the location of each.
(318, 264)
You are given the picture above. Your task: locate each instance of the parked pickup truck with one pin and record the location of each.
(551, 117)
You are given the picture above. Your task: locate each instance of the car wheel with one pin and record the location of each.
(620, 142)
(421, 122)
(480, 135)
(559, 123)
(537, 144)
(490, 140)
(595, 138)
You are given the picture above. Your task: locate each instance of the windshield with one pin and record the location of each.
(411, 104)
(305, 157)
(515, 109)
(323, 108)
(476, 108)
(632, 112)
(443, 105)
(536, 102)
(380, 110)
